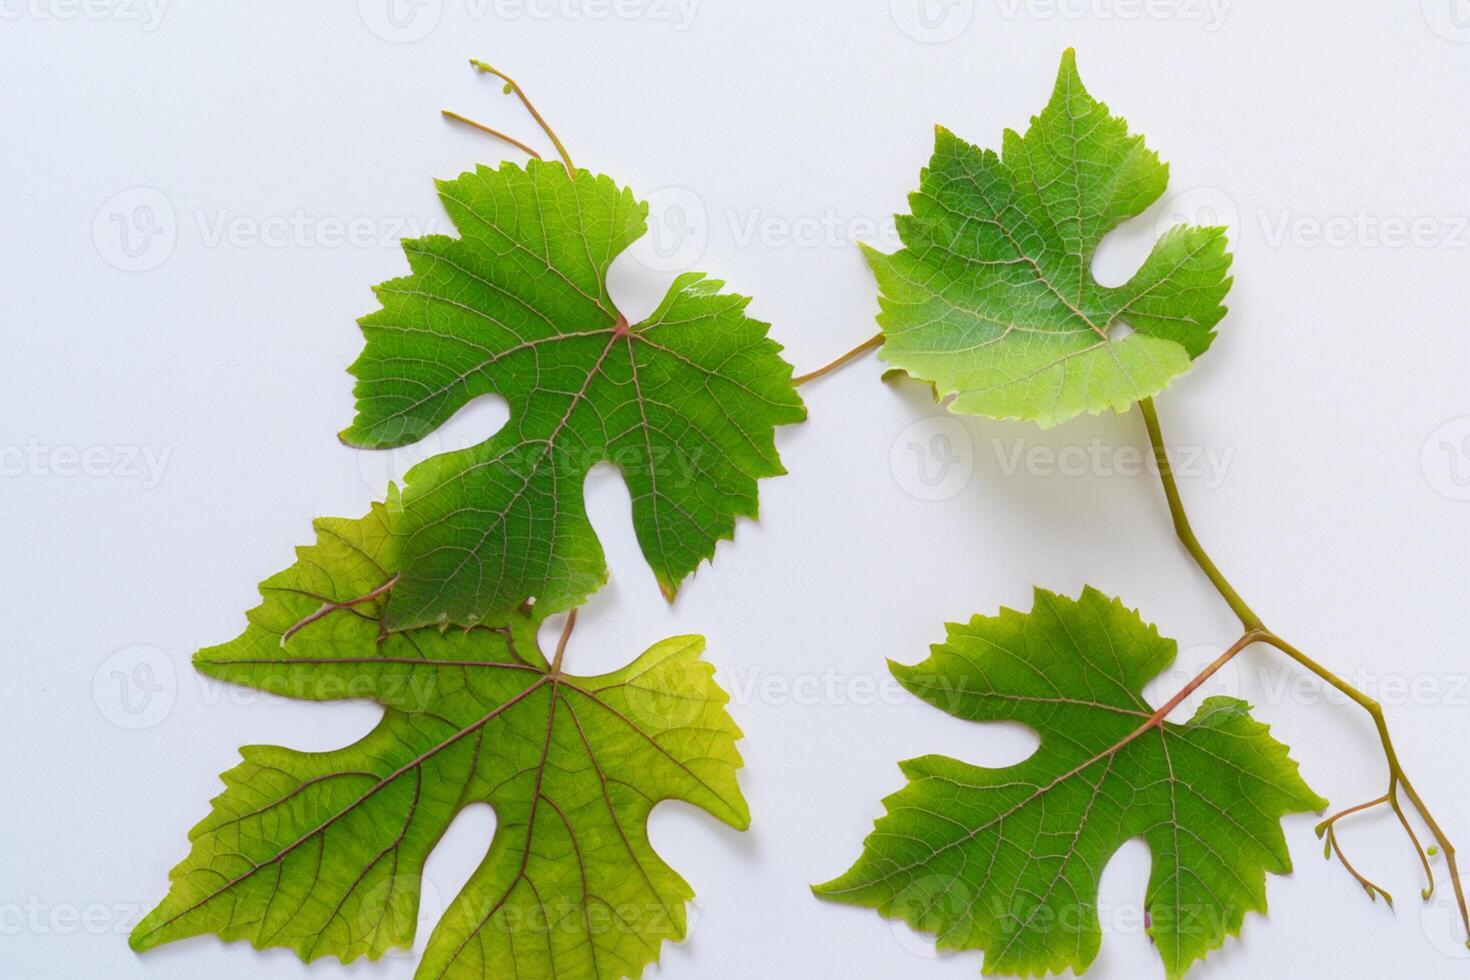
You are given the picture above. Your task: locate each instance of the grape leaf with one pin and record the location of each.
(992, 298)
(323, 852)
(1008, 860)
(684, 403)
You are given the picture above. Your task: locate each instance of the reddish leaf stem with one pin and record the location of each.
(561, 644)
(331, 607)
(492, 131)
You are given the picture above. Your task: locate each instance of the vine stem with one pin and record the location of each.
(1182, 528)
(870, 344)
(511, 85)
(1256, 631)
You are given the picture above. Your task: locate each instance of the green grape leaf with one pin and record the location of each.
(992, 298)
(1008, 860)
(685, 403)
(323, 852)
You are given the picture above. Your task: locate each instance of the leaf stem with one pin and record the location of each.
(1158, 717)
(1255, 630)
(493, 132)
(858, 351)
(511, 85)
(1182, 528)
(561, 644)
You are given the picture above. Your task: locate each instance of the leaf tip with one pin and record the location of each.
(1068, 69)
(141, 938)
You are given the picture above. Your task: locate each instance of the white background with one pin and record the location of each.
(1336, 500)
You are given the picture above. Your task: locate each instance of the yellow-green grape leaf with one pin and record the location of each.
(684, 404)
(1008, 860)
(322, 852)
(992, 298)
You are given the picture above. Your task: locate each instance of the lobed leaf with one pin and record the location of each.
(323, 852)
(992, 298)
(1008, 860)
(685, 403)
